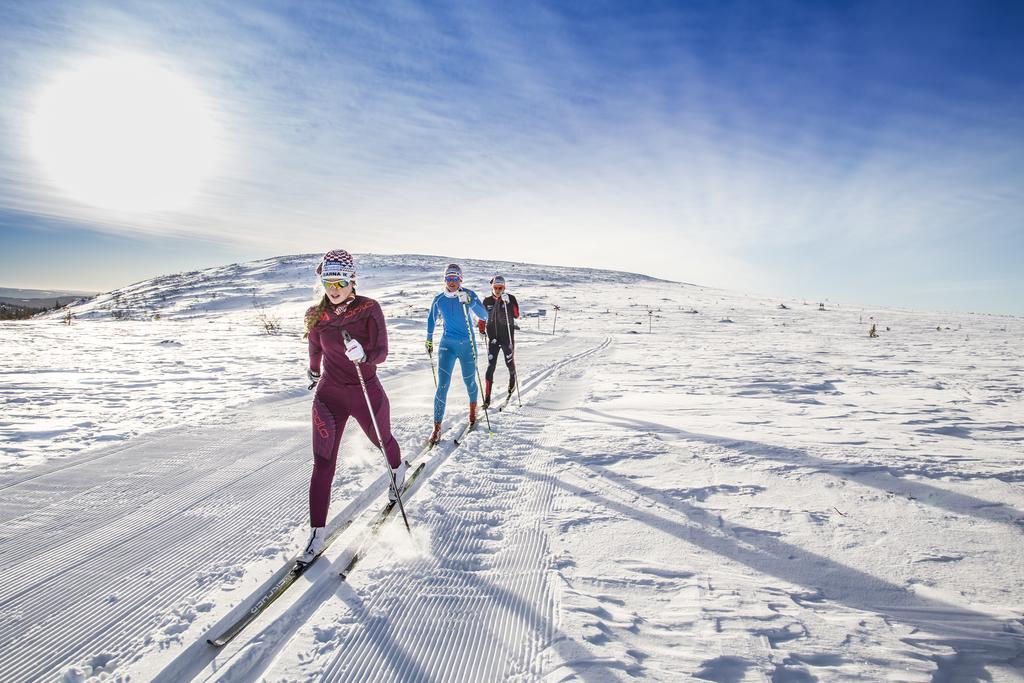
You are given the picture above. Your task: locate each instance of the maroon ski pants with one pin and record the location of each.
(332, 406)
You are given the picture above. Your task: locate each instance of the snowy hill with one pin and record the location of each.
(698, 484)
(185, 347)
(287, 282)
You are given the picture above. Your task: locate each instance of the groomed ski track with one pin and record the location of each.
(144, 537)
(477, 608)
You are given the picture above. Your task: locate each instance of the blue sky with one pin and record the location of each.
(863, 152)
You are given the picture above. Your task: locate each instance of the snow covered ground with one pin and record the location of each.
(743, 493)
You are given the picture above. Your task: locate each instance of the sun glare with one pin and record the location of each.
(125, 134)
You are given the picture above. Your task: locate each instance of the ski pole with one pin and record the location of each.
(515, 368)
(476, 365)
(430, 352)
(432, 370)
(380, 441)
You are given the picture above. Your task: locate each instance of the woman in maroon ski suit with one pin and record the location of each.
(339, 394)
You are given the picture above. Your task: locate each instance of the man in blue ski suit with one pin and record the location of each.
(453, 305)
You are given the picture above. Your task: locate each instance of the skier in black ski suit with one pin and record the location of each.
(502, 309)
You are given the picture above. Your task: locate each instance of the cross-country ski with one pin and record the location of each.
(375, 526)
(464, 432)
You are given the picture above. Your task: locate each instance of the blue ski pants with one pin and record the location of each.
(452, 349)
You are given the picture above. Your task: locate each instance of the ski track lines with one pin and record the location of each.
(478, 608)
(99, 553)
(109, 574)
(102, 574)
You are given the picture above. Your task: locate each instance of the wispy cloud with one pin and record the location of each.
(688, 143)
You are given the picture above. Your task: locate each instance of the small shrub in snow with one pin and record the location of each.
(270, 324)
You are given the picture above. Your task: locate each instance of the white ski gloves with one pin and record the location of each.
(504, 297)
(354, 351)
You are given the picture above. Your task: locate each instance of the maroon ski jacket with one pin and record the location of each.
(364, 320)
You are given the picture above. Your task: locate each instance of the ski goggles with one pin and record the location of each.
(453, 278)
(336, 284)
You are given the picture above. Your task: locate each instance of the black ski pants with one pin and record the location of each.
(493, 346)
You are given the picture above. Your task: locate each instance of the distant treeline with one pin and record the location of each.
(19, 312)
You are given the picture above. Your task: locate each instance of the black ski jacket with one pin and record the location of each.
(498, 326)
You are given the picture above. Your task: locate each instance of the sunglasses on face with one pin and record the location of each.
(452, 278)
(335, 284)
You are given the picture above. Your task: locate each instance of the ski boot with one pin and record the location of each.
(487, 394)
(472, 413)
(435, 436)
(399, 473)
(314, 546)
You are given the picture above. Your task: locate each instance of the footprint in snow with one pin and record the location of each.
(99, 664)
(325, 634)
(724, 669)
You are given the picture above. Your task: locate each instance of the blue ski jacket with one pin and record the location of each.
(447, 307)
